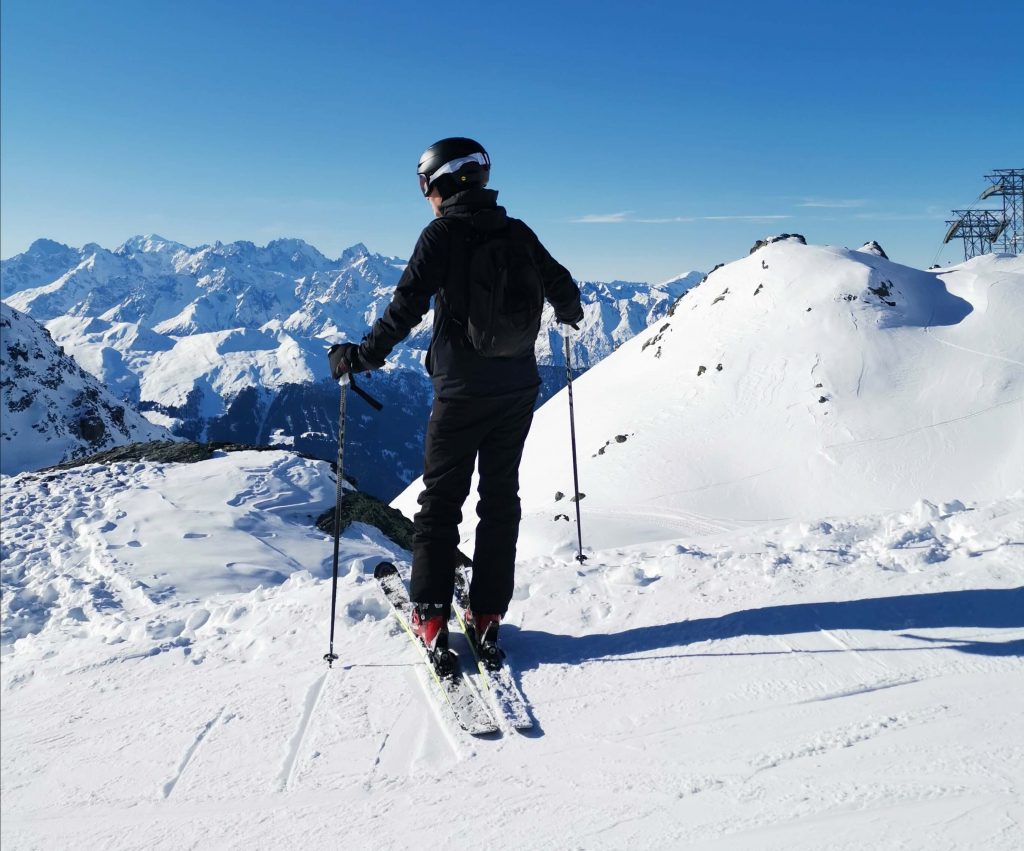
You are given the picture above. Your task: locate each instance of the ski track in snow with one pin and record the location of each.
(313, 696)
(168, 787)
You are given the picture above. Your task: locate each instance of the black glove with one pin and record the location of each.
(344, 358)
(574, 320)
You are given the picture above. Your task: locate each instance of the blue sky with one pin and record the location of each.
(639, 139)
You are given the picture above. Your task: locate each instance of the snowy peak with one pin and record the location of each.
(150, 244)
(43, 263)
(678, 285)
(872, 247)
(53, 410)
(801, 380)
(887, 293)
(48, 248)
(353, 254)
(178, 290)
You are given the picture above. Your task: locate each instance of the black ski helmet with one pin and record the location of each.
(452, 165)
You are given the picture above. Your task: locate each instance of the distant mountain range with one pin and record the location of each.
(228, 341)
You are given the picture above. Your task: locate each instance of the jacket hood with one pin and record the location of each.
(477, 206)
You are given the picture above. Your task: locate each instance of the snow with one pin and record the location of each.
(52, 409)
(801, 380)
(800, 624)
(832, 683)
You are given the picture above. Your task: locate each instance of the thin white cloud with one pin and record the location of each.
(627, 216)
(745, 218)
(603, 218)
(665, 221)
(833, 204)
(902, 217)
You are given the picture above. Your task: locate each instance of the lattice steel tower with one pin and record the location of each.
(979, 229)
(1008, 183)
(982, 230)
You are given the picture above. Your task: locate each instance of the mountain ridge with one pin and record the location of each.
(227, 341)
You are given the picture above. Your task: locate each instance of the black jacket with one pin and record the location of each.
(440, 264)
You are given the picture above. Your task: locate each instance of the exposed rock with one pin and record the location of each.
(872, 247)
(363, 508)
(168, 452)
(768, 240)
(884, 292)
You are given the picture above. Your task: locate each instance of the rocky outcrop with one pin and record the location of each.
(52, 409)
(872, 247)
(768, 240)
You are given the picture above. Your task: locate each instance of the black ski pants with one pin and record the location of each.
(463, 433)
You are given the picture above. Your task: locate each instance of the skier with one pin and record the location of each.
(480, 266)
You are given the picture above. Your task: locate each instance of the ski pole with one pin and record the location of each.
(330, 657)
(572, 433)
(373, 403)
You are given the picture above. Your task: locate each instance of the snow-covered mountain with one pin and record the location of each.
(51, 409)
(801, 380)
(227, 342)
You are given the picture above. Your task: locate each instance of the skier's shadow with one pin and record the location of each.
(990, 608)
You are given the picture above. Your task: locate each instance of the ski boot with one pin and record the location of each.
(482, 630)
(430, 625)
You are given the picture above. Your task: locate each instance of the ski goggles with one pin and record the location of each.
(450, 167)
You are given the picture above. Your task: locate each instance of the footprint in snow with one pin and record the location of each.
(632, 574)
(369, 607)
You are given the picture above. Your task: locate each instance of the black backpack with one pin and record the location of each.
(503, 295)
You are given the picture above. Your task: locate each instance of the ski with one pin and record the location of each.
(493, 667)
(470, 710)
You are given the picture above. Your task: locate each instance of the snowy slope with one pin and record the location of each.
(801, 380)
(52, 410)
(824, 684)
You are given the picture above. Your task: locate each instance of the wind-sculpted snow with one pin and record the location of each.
(51, 409)
(210, 341)
(825, 683)
(801, 379)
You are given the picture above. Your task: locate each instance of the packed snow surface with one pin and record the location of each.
(827, 683)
